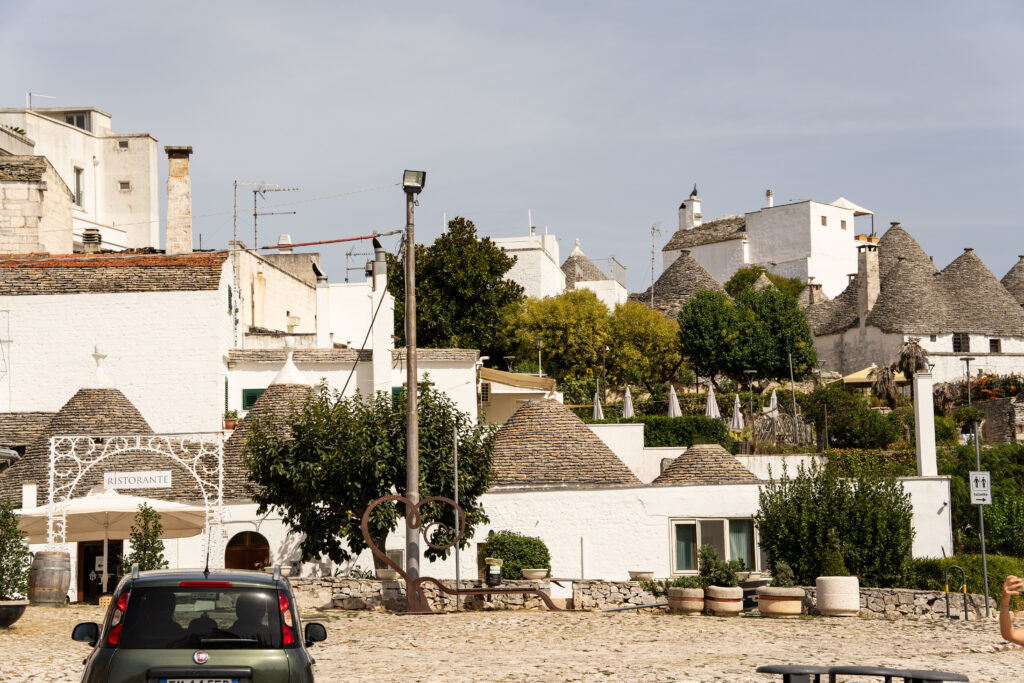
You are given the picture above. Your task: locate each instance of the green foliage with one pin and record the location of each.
(709, 334)
(859, 462)
(714, 571)
(147, 548)
(518, 552)
(659, 587)
(462, 297)
(644, 346)
(832, 557)
(783, 577)
(744, 279)
(851, 422)
(927, 574)
(322, 465)
(870, 515)
(15, 561)
(661, 430)
(1006, 463)
(574, 327)
(231, 414)
(579, 388)
(966, 416)
(1004, 524)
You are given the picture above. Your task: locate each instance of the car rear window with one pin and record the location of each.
(207, 618)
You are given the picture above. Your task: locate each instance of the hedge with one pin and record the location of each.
(660, 430)
(518, 552)
(927, 574)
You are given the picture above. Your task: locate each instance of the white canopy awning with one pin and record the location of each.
(845, 203)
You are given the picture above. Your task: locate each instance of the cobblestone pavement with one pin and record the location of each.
(541, 646)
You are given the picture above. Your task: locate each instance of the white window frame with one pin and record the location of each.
(695, 522)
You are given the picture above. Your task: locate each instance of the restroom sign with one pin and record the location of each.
(137, 480)
(981, 488)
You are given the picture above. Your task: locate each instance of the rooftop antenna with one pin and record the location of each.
(262, 192)
(206, 569)
(655, 231)
(529, 220)
(348, 257)
(30, 95)
(244, 183)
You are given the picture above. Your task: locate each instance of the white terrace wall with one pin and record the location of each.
(721, 259)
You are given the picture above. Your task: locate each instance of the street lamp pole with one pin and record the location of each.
(540, 345)
(412, 183)
(977, 462)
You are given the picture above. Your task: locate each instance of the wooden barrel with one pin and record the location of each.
(50, 578)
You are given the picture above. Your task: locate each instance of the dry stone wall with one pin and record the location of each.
(597, 595)
(902, 603)
(375, 594)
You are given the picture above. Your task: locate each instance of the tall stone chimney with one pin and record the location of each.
(179, 201)
(868, 280)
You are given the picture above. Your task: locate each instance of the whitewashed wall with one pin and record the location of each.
(609, 292)
(833, 249)
(769, 466)
(949, 367)
(536, 268)
(856, 349)
(721, 259)
(269, 295)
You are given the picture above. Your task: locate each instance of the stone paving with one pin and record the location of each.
(542, 646)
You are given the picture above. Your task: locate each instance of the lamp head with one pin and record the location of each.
(414, 181)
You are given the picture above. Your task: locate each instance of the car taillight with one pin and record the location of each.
(287, 625)
(117, 618)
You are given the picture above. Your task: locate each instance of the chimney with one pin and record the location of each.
(770, 196)
(689, 211)
(179, 201)
(868, 280)
(92, 240)
(533, 230)
(284, 239)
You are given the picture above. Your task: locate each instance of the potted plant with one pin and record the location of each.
(15, 562)
(782, 597)
(722, 592)
(636, 575)
(838, 593)
(230, 419)
(686, 596)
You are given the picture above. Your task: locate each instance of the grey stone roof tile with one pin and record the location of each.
(705, 464)
(719, 230)
(1014, 280)
(677, 285)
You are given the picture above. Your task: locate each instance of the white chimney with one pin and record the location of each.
(770, 196)
(179, 201)
(284, 239)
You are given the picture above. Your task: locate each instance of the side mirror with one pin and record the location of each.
(87, 632)
(315, 633)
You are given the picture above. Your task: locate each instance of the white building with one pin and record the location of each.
(112, 176)
(536, 268)
(581, 273)
(804, 240)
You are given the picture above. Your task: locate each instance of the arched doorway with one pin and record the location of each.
(247, 550)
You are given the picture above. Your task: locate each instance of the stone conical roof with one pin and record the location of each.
(911, 300)
(1014, 280)
(705, 464)
(762, 282)
(93, 412)
(678, 284)
(897, 243)
(544, 444)
(979, 303)
(578, 268)
(278, 401)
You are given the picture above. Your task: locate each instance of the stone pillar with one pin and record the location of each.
(924, 429)
(868, 280)
(381, 339)
(179, 201)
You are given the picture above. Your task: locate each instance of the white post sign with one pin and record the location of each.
(137, 480)
(981, 488)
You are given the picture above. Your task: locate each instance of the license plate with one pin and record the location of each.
(198, 680)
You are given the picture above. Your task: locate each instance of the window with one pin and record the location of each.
(961, 342)
(933, 337)
(824, 220)
(734, 539)
(741, 541)
(124, 185)
(842, 224)
(995, 346)
(396, 393)
(485, 392)
(685, 552)
(79, 185)
(122, 144)
(250, 396)
(78, 119)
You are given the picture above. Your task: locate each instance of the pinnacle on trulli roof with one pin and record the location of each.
(289, 374)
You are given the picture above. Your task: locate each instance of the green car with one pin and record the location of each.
(191, 626)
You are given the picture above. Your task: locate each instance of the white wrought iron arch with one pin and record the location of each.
(74, 456)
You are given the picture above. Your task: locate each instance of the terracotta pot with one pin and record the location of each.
(535, 574)
(634, 575)
(838, 596)
(230, 423)
(686, 601)
(724, 601)
(780, 602)
(11, 611)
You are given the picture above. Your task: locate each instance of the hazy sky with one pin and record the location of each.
(598, 117)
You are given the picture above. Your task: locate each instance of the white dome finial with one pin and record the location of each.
(289, 373)
(99, 380)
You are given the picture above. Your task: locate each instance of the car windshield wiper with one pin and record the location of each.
(228, 641)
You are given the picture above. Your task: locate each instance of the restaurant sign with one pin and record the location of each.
(137, 480)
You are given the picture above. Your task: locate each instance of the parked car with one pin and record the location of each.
(191, 626)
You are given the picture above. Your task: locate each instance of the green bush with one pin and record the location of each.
(518, 552)
(1006, 463)
(783, 576)
(851, 423)
(967, 416)
(856, 462)
(661, 430)
(14, 556)
(945, 431)
(659, 587)
(714, 571)
(927, 574)
(832, 557)
(871, 516)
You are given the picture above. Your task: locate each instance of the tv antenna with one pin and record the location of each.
(655, 232)
(351, 253)
(244, 183)
(30, 95)
(262, 192)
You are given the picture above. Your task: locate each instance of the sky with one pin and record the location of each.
(595, 118)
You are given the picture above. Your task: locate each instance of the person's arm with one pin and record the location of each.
(1014, 635)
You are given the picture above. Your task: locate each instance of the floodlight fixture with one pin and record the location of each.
(413, 181)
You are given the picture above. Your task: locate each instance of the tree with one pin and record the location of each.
(14, 555)
(644, 346)
(772, 326)
(462, 297)
(709, 335)
(147, 548)
(744, 279)
(574, 327)
(883, 385)
(338, 454)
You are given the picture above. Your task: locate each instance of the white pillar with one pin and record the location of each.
(382, 340)
(324, 338)
(29, 496)
(924, 417)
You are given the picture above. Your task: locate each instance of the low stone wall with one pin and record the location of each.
(598, 595)
(903, 603)
(374, 594)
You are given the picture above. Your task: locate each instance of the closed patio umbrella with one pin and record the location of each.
(773, 405)
(598, 413)
(627, 405)
(736, 423)
(673, 403)
(712, 409)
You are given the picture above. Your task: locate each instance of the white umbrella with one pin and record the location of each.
(598, 413)
(712, 409)
(773, 405)
(736, 424)
(627, 405)
(673, 403)
(101, 514)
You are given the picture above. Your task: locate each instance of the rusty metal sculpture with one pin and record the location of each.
(417, 599)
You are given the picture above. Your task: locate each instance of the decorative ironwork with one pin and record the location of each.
(201, 455)
(783, 429)
(417, 599)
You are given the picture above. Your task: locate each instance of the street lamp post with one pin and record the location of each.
(977, 462)
(412, 184)
(604, 371)
(540, 345)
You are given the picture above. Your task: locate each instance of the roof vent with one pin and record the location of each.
(966, 249)
(284, 239)
(92, 240)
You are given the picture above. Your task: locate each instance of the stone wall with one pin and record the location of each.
(374, 594)
(1004, 419)
(598, 595)
(902, 603)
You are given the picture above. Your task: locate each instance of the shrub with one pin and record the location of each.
(714, 571)
(147, 548)
(850, 421)
(856, 462)
(871, 517)
(783, 577)
(927, 574)
(967, 416)
(1006, 463)
(14, 556)
(832, 558)
(659, 587)
(945, 431)
(518, 552)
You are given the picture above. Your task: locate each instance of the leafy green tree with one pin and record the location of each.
(574, 327)
(709, 335)
(744, 279)
(850, 422)
(147, 548)
(771, 327)
(462, 297)
(339, 454)
(14, 556)
(517, 552)
(644, 346)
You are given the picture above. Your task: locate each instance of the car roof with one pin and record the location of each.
(236, 577)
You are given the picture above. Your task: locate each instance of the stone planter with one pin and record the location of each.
(634, 575)
(838, 596)
(780, 602)
(724, 601)
(285, 571)
(686, 601)
(11, 611)
(535, 574)
(387, 574)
